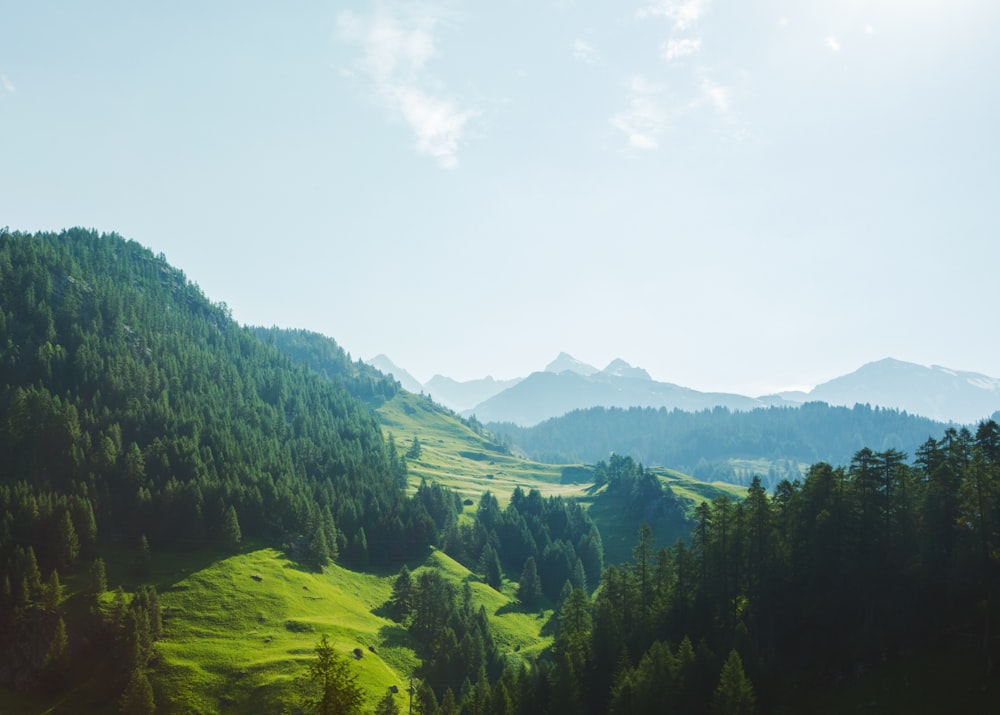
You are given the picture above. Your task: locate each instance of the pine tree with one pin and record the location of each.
(492, 573)
(529, 590)
(67, 543)
(97, 580)
(337, 691)
(53, 592)
(402, 595)
(231, 535)
(734, 695)
(138, 696)
(387, 705)
(57, 660)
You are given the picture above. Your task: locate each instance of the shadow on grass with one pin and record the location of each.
(396, 636)
(383, 611)
(166, 567)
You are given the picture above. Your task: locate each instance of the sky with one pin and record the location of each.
(735, 196)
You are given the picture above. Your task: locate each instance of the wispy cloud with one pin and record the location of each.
(583, 51)
(646, 117)
(396, 46)
(682, 13)
(675, 49)
(7, 85)
(832, 43)
(716, 95)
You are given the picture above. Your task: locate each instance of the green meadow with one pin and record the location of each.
(239, 632)
(455, 456)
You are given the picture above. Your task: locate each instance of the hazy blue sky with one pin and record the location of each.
(735, 195)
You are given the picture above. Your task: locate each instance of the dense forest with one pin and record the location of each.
(701, 443)
(136, 412)
(777, 601)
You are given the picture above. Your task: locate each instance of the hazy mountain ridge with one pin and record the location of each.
(464, 395)
(937, 392)
(409, 382)
(567, 384)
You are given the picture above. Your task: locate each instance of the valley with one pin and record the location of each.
(192, 508)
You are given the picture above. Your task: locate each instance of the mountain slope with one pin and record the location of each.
(565, 362)
(936, 392)
(387, 366)
(461, 396)
(708, 443)
(543, 395)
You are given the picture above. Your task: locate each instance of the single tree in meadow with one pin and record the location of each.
(334, 685)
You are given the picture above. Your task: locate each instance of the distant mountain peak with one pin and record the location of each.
(937, 392)
(620, 368)
(382, 363)
(566, 362)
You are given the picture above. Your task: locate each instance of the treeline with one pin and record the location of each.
(778, 600)
(134, 411)
(325, 357)
(700, 443)
(551, 547)
(552, 538)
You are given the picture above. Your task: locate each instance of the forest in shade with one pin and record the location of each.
(881, 570)
(702, 443)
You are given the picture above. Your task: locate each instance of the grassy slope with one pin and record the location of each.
(238, 632)
(456, 457)
(236, 644)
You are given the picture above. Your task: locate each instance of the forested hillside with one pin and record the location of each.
(137, 412)
(870, 586)
(702, 443)
(325, 357)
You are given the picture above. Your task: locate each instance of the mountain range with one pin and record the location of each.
(567, 384)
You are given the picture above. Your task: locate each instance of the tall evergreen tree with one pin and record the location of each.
(529, 589)
(334, 686)
(734, 694)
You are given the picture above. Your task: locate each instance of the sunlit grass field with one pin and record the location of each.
(238, 634)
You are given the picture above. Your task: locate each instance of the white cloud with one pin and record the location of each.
(437, 123)
(783, 22)
(832, 43)
(682, 13)
(869, 30)
(716, 95)
(396, 47)
(7, 85)
(583, 51)
(646, 117)
(674, 49)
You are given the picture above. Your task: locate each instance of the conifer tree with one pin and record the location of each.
(387, 705)
(492, 573)
(335, 687)
(734, 694)
(529, 590)
(231, 534)
(97, 580)
(138, 696)
(57, 659)
(402, 595)
(67, 542)
(52, 592)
